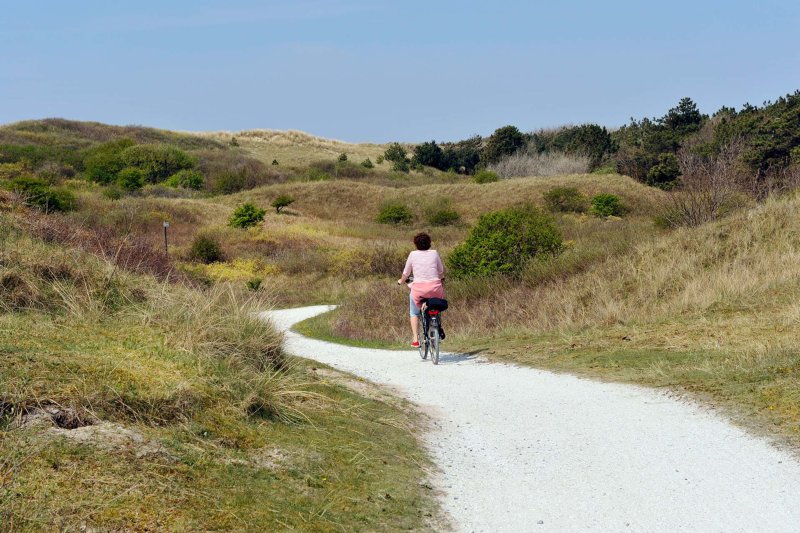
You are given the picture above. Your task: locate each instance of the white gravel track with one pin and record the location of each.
(521, 449)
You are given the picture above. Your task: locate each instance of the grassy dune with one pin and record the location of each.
(132, 404)
(709, 310)
(296, 148)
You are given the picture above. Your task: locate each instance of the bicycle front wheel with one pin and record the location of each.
(433, 335)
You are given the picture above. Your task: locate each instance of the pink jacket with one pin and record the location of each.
(428, 271)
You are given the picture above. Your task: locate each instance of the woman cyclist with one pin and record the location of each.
(428, 271)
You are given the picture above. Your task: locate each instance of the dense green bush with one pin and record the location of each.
(130, 179)
(485, 176)
(395, 153)
(103, 162)
(246, 216)
(642, 143)
(186, 179)
(37, 193)
(402, 165)
(504, 241)
(446, 216)
(606, 205)
(462, 156)
(429, 154)
(590, 140)
(342, 157)
(395, 213)
(504, 141)
(206, 249)
(665, 172)
(157, 161)
(284, 200)
(565, 200)
(367, 163)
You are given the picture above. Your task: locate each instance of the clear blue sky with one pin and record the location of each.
(380, 70)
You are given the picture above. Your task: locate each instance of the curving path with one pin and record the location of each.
(521, 449)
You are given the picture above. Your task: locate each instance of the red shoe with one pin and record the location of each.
(415, 344)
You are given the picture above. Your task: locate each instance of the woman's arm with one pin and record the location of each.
(439, 266)
(407, 270)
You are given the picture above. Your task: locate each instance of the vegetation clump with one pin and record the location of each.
(158, 162)
(503, 242)
(37, 193)
(246, 216)
(342, 158)
(206, 249)
(503, 142)
(565, 200)
(397, 154)
(186, 179)
(607, 205)
(446, 216)
(367, 163)
(130, 179)
(282, 201)
(485, 176)
(395, 213)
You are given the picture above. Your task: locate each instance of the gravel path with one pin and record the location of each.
(526, 450)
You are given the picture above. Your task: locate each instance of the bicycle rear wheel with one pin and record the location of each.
(422, 339)
(433, 336)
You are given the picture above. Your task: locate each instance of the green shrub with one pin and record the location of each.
(113, 192)
(485, 176)
(206, 249)
(254, 284)
(367, 163)
(395, 153)
(157, 161)
(315, 174)
(606, 205)
(275, 162)
(130, 179)
(284, 200)
(186, 179)
(342, 157)
(234, 141)
(246, 216)
(401, 166)
(565, 200)
(102, 163)
(502, 242)
(379, 160)
(229, 182)
(395, 213)
(665, 172)
(429, 154)
(504, 141)
(37, 193)
(444, 217)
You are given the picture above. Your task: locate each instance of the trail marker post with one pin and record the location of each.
(166, 245)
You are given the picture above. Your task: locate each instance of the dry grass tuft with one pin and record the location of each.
(531, 163)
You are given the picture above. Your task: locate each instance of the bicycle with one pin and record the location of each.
(429, 334)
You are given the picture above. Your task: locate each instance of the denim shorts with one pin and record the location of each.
(412, 307)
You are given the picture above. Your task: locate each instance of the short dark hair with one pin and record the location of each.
(422, 241)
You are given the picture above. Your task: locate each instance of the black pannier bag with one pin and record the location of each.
(437, 304)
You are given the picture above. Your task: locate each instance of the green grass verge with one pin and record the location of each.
(319, 327)
(343, 463)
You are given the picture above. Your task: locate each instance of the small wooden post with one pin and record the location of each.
(166, 245)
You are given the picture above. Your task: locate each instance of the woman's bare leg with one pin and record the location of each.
(415, 328)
